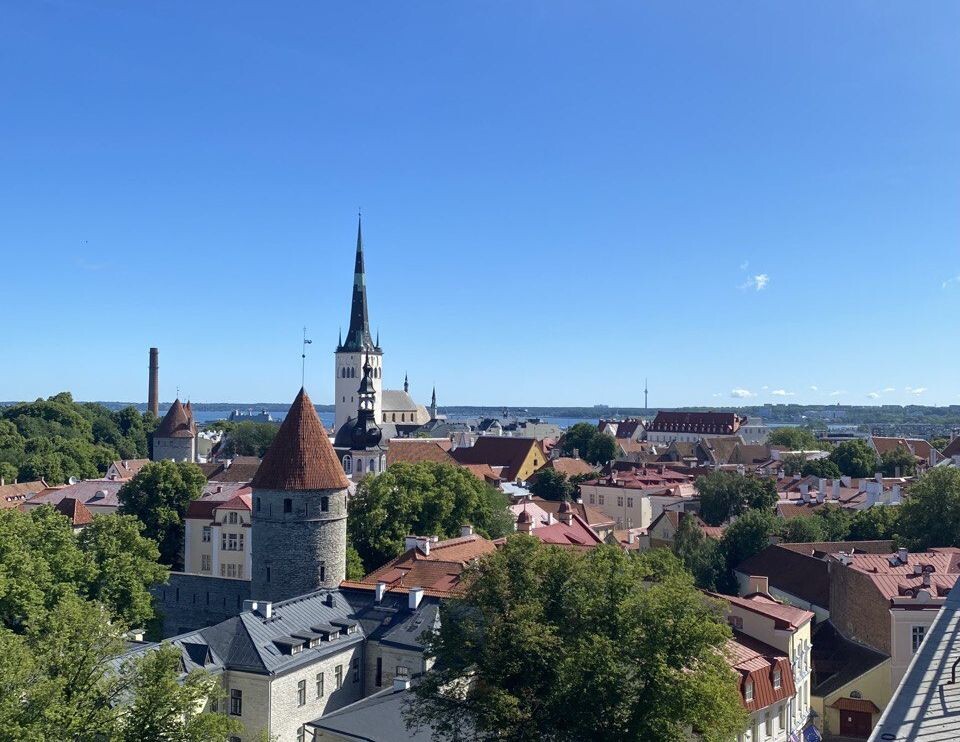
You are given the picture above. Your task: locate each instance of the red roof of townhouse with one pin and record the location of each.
(917, 446)
(784, 615)
(75, 510)
(702, 423)
(642, 477)
(498, 451)
(541, 510)
(414, 450)
(435, 566)
(757, 663)
(101, 493)
(893, 577)
(14, 495)
(570, 467)
(218, 496)
(128, 468)
(576, 534)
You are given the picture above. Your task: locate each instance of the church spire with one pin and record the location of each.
(406, 383)
(358, 335)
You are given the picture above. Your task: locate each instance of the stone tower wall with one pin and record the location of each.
(293, 545)
(178, 449)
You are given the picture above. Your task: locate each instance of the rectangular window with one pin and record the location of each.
(232, 518)
(776, 678)
(223, 542)
(782, 718)
(619, 502)
(379, 680)
(206, 534)
(916, 634)
(232, 542)
(600, 499)
(240, 542)
(204, 562)
(287, 505)
(356, 669)
(748, 691)
(231, 570)
(240, 571)
(324, 504)
(319, 685)
(301, 734)
(592, 499)
(768, 724)
(223, 570)
(629, 502)
(338, 677)
(258, 504)
(236, 702)
(268, 574)
(302, 693)
(323, 571)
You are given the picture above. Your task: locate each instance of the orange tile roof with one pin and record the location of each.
(570, 467)
(413, 451)
(300, 457)
(177, 423)
(755, 662)
(897, 580)
(785, 616)
(855, 704)
(14, 495)
(76, 511)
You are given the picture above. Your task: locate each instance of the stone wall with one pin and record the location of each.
(857, 608)
(191, 601)
(178, 449)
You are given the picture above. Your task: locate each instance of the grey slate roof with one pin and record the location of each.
(376, 718)
(249, 642)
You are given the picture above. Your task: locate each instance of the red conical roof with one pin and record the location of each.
(300, 457)
(177, 423)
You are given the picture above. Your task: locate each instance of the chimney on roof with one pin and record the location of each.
(760, 584)
(263, 608)
(878, 476)
(926, 579)
(466, 530)
(414, 597)
(845, 559)
(329, 600)
(846, 481)
(895, 495)
(836, 489)
(903, 555)
(918, 569)
(379, 591)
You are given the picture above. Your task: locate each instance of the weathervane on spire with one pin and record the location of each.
(303, 358)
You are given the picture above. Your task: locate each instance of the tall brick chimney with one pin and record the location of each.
(153, 392)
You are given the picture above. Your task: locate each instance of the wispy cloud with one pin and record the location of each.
(814, 389)
(741, 393)
(951, 282)
(888, 389)
(873, 395)
(916, 389)
(758, 282)
(837, 392)
(781, 393)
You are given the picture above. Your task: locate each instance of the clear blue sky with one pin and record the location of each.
(560, 198)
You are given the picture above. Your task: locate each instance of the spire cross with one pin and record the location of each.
(303, 358)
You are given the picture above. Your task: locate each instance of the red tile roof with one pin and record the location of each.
(413, 451)
(855, 704)
(755, 662)
(14, 495)
(300, 457)
(128, 468)
(242, 469)
(785, 616)
(75, 510)
(216, 497)
(953, 448)
(703, 423)
(570, 467)
(893, 580)
(177, 423)
(917, 446)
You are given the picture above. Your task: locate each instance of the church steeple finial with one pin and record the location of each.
(406, 382)
(358, 334)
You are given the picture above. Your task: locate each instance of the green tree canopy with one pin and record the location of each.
(701, 556)
(159, 495)
(748, 535)
(724, 494)
(42, 560)
(878, 523)
(585, 440)
(795, 439)
(540, 629)
(550, 484)
(823, 468)
(855, 458)
(930, 516)
(898, 462)
(249, 438)
(803, 529)
(425, 498)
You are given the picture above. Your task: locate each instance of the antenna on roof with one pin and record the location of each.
(303, 358)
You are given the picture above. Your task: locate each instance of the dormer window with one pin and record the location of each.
(748, 691)
(777, 678)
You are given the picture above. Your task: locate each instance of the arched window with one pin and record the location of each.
(403, 417)
(347, 466)
(359, 466)
(384, 416)
(393, 416)
(373, 465)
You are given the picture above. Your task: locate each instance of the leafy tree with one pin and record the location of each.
(551, 485)
(803, 529)
(795, 439)
(126, 565)
(940, 442)
(425, 498)
(854, 458)
(159, 495)
(701, 556)
(249, 438)
(355, 569)
(724, 494)
(748, 535)
(930, 516)
(834, 522)
(793, 463)
(823, 468)
(167, 708)
(8, 472)
(898, 462)
(41, 561)
(541, 628)
(589, 443)
(878, 523)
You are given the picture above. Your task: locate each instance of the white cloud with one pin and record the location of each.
(741, 393)
(813, 389)
(916, 390)
(758, 282)
(873, 395)
(781, 393)
(764, 387)
(888, 389)
(837, 392)
(718, 394)
(951, 282)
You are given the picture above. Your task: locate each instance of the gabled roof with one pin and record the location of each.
(704, 423)
(241, 469)
(570, 467)
(128, 468)
(100, 493)
(953, 448)
(917, 446)
(300, 457)
(376, 718)
(495, 450)
(785, 616)
(75, 510)
(177, 423)
(756, 662)
(14, 495)
(414, 450)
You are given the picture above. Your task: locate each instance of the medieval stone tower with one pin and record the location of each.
(357, 349)
(176, 436)
(299, 524)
